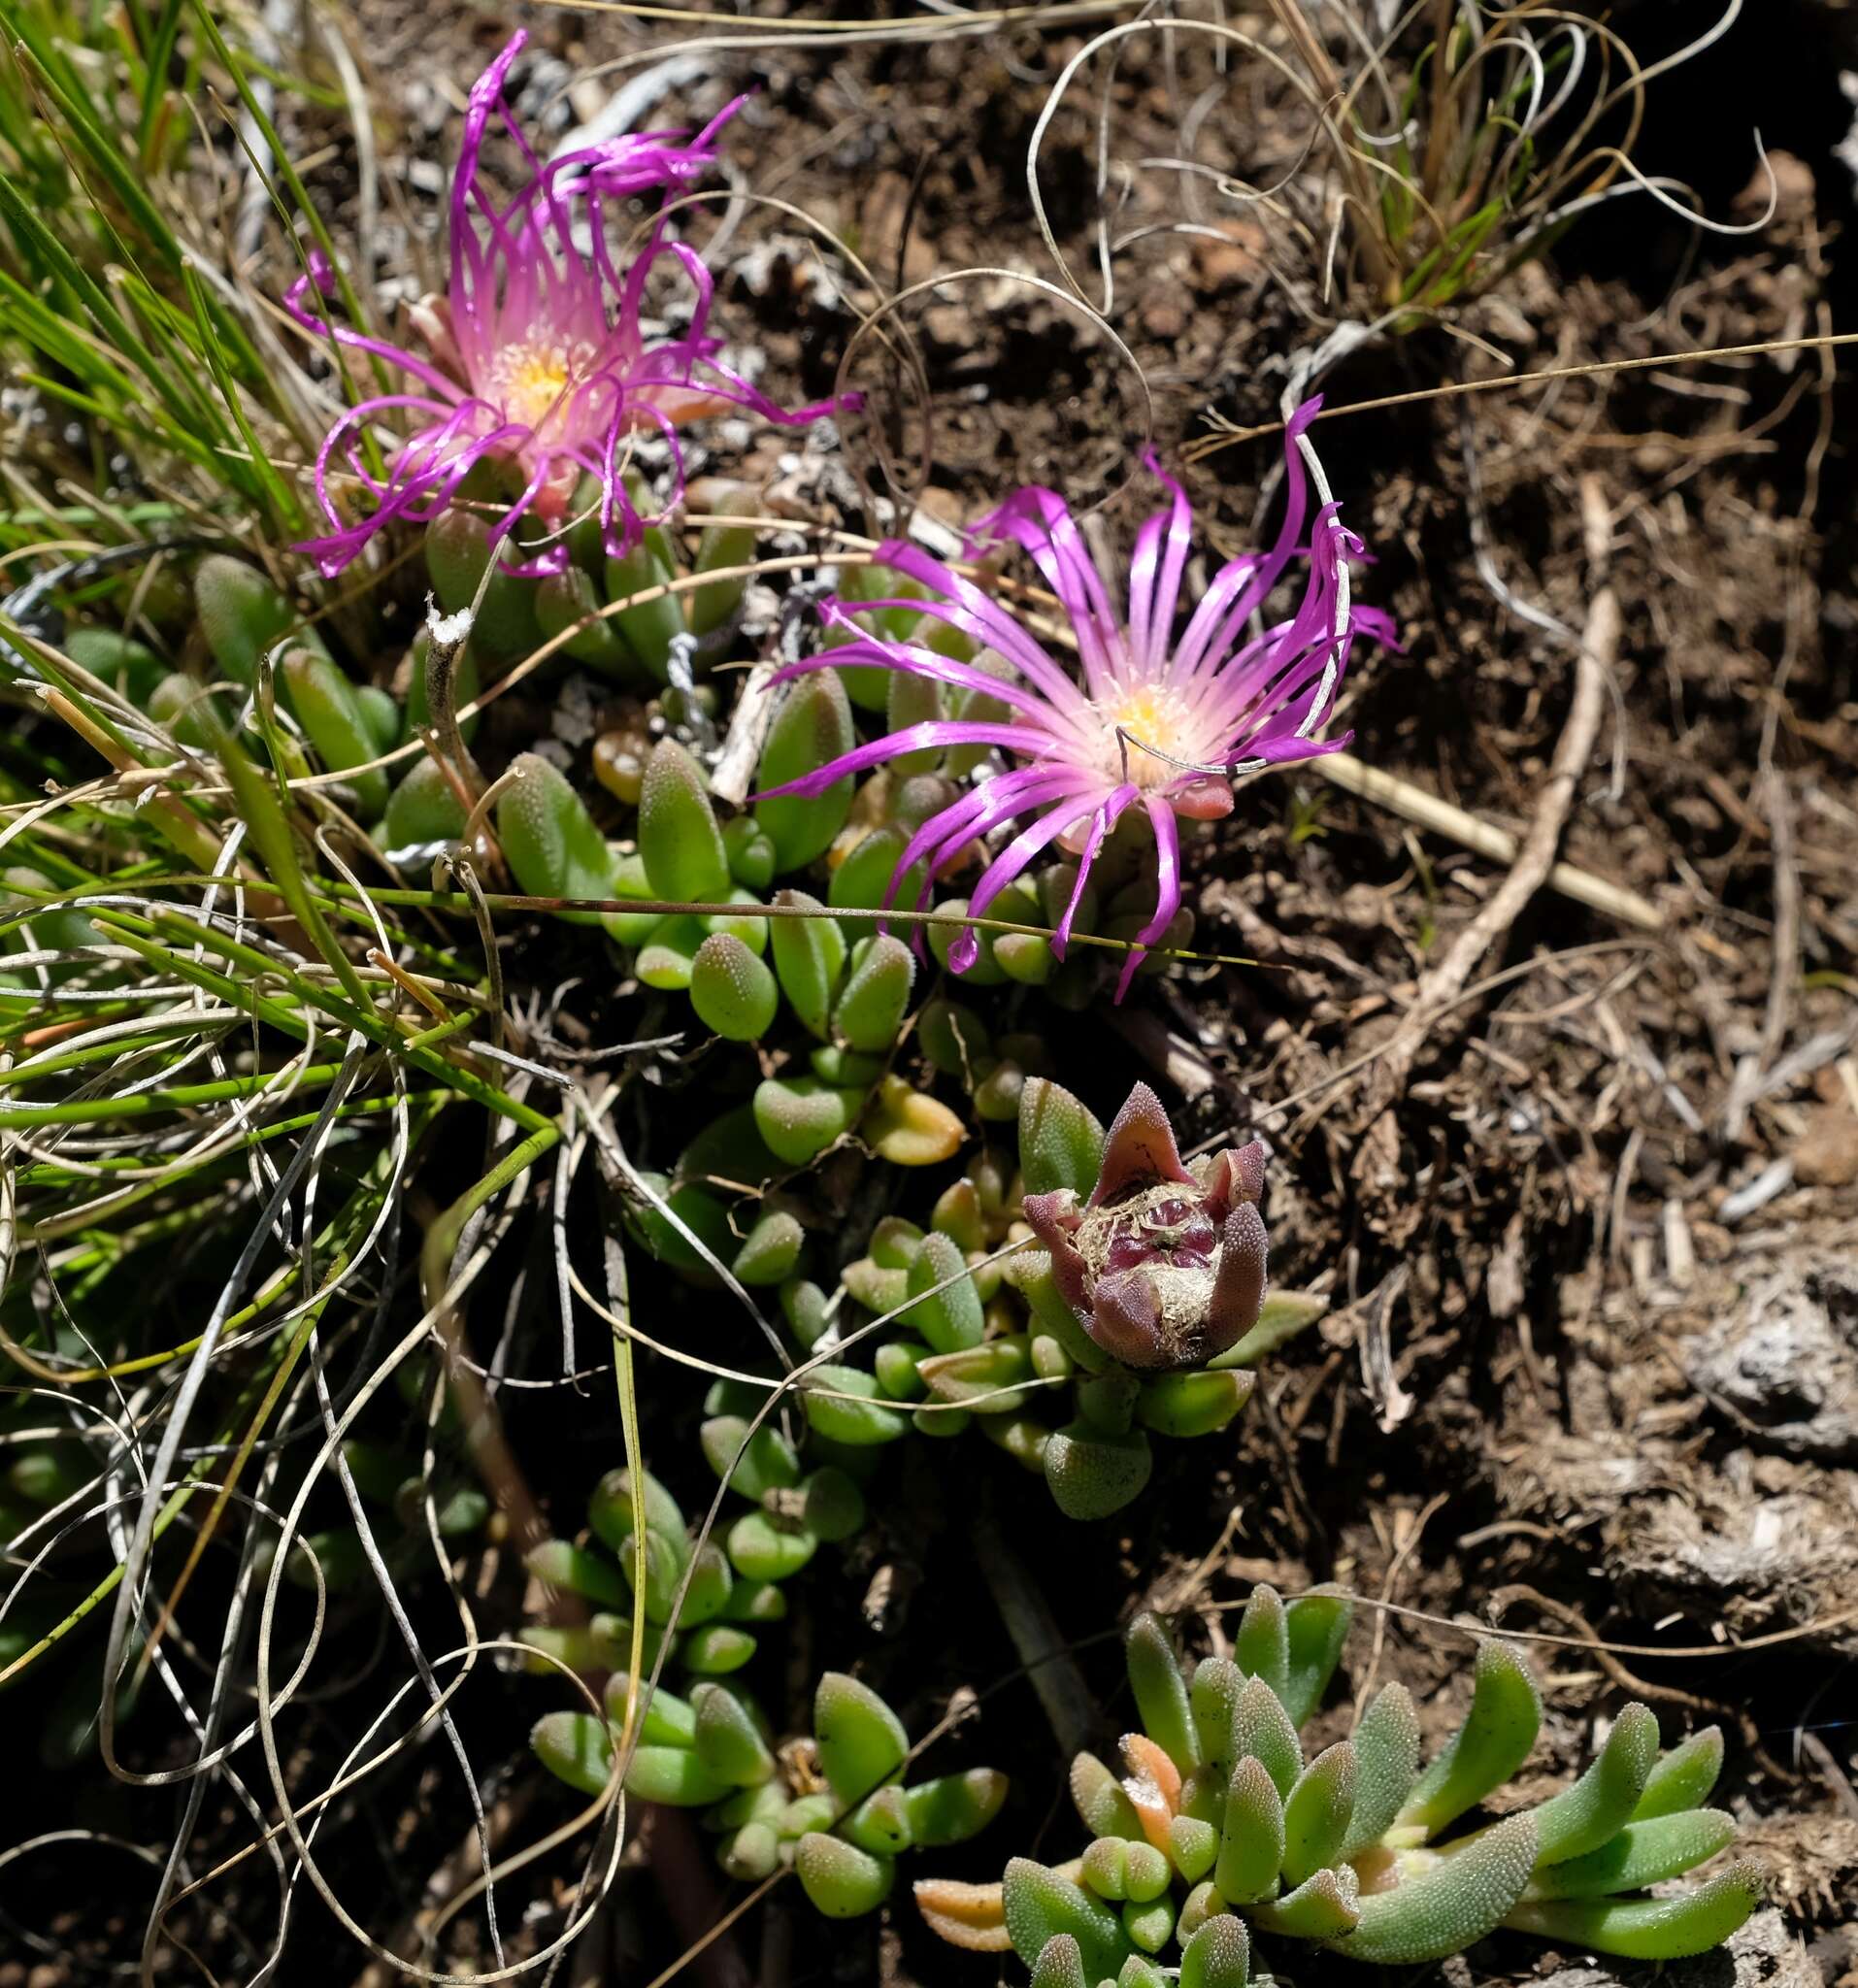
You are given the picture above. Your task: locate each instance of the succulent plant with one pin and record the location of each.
(729, 1590)
(829, 1803)
(1219, 1821)
(987, 1340)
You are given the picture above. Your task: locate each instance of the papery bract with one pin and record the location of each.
(1156, 723)
(1164, 1267)
(538, 357)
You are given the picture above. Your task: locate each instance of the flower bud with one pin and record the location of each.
(1163, 1267)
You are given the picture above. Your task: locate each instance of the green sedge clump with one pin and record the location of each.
(1220, 1820)
(830, 1804)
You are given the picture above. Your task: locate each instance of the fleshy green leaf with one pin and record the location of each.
(1060, 1140)
(1492, 1743)
(1261, 1646)
(800, 1117)
(952, 1808)
(1214, 1698)
(577, 1571)
(1188, 1405)
(1252, 1845)
(1261, 1729)
(675, 1776)
(808, 958)
(732, 992)
(727, 1741)
(1218, 1956)
(1600, 1803)
(1683, 1777)
(1042, 1903)
(609, 1510)
(1149, 1925)
(952, 1318)
(766, 1464)
(1318, 1813)
(1059, 1965)
(812, 727)
(859, 1423)
(871, 1006)
(1648, 1929)
(677, 833)
(1161, 1693)
(664, 1718)
(1093, 1474)
(1324, 1906)
(1386, 1744)
(1317, 1627)
(880, 1824)
(575, 1747)
(1441, 1910)
(861, 1741)
(843, 1882)
(1101, 1801)
(1642, 1854)
(762, 1547)
(550, 839)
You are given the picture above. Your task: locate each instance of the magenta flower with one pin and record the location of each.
(537, 355)
(1158, 722)
(1163, 1267)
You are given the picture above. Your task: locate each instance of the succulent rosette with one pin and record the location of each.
(1165, 1265)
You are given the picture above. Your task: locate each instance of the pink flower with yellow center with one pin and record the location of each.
(537, 356)
(1154, 720)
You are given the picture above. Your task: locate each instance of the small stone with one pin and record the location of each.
(1827, 1152)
